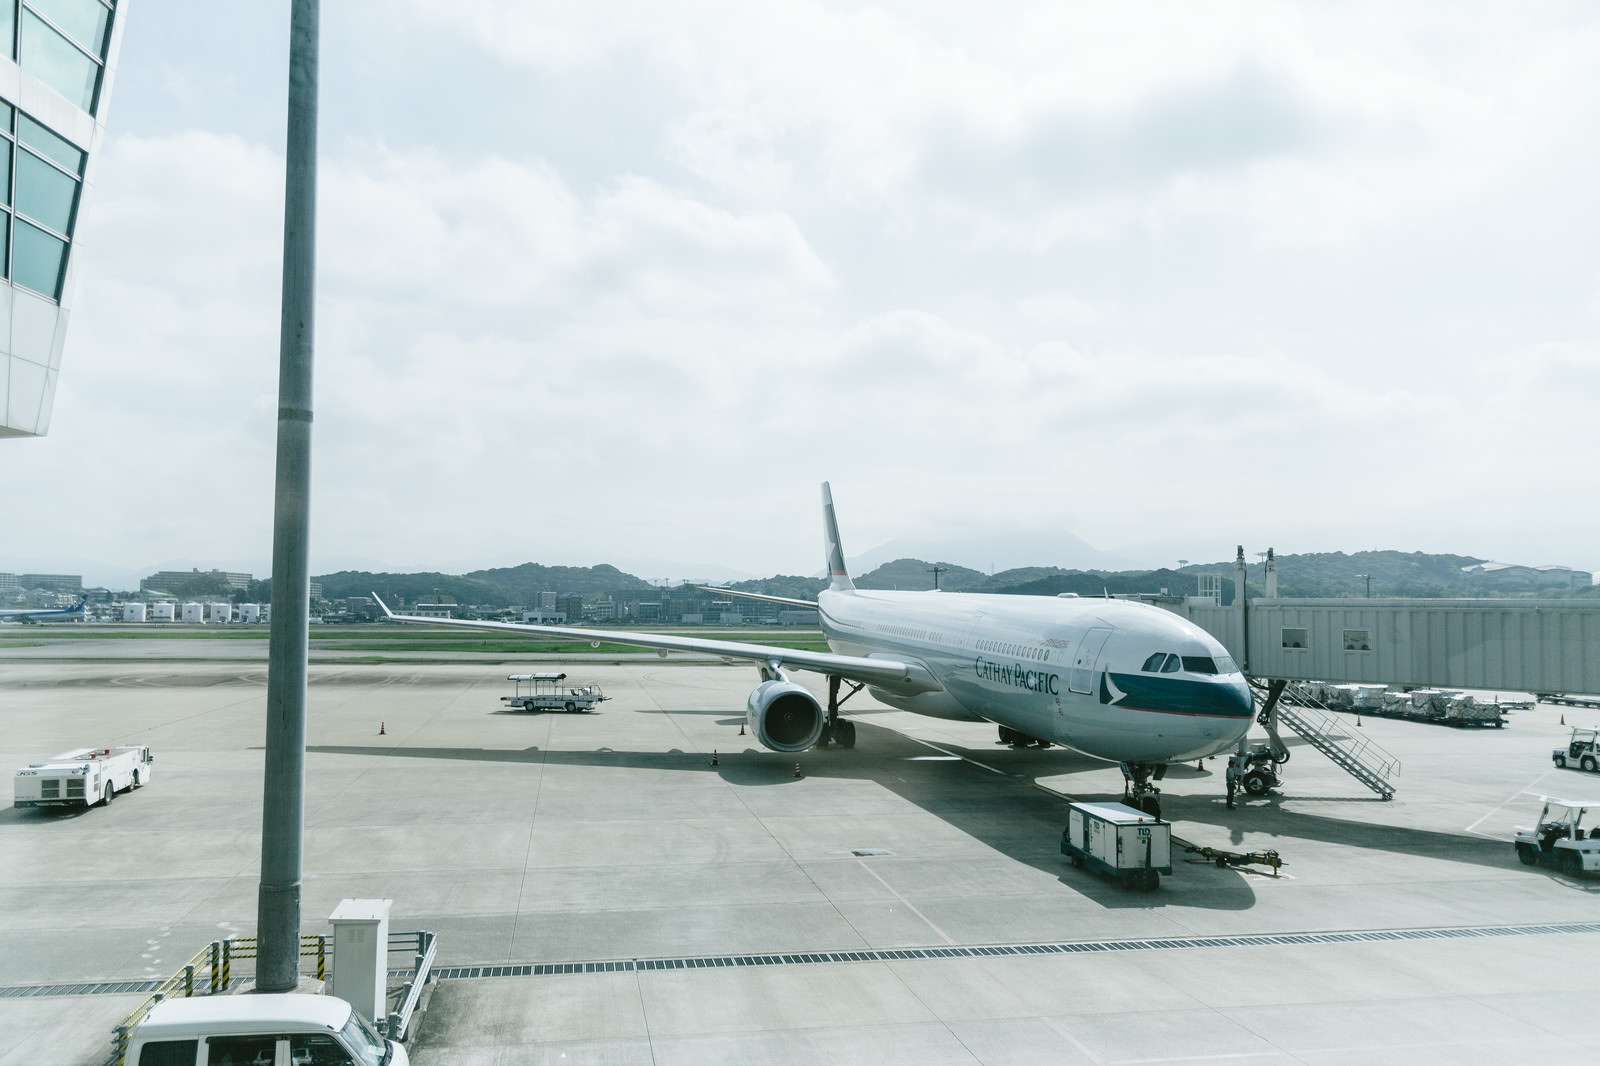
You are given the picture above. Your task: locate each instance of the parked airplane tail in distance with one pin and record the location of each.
(838, 576)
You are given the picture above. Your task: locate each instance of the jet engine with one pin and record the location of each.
(784, 716)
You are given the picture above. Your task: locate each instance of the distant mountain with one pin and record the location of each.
(991, 554)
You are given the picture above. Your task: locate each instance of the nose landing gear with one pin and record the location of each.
(1137, 790)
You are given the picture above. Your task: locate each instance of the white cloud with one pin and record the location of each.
(1326, 274)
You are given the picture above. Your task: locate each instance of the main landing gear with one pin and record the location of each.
(1137, 790)
(1018, 739)
(840, 731)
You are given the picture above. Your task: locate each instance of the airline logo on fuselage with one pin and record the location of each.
(1017, 676)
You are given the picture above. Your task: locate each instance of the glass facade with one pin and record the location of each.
(62, 51)
(61, 42)
(43, 178)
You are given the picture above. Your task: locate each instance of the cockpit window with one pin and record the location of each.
(1153, 664)
(1199, 664)
(1226, 665)
(1171, 665)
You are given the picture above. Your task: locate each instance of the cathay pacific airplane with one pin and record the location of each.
(1114, 679)
(60, 614)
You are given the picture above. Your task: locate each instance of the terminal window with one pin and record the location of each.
(1294, 638)
(60, 42)
(1357, 640)
(42, 177)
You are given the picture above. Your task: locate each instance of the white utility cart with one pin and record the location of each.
(550, 692)
(1561, 839)
(1114, 839)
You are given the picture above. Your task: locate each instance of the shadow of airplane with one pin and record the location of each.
(997, 805)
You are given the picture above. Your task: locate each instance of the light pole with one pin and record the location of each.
(936, 570)
(283, 787)
(1368, 578)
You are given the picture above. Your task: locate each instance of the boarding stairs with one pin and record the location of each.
(1360, 758)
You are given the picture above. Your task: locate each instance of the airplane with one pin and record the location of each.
(60, 614)
(1118, 680)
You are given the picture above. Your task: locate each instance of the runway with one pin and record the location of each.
(600, 847)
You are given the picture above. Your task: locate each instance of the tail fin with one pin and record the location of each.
(838, 576)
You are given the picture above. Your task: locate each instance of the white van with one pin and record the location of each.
(290, 1029)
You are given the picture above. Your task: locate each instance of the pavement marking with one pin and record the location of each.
(1526, 790)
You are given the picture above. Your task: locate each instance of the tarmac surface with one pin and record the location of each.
(752, 915)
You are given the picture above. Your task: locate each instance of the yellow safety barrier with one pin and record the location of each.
(217, 957)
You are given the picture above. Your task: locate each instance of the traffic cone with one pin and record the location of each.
(741, 729)
(797, 770)
(713, 756)
(1358, 720)
(1563, 717)
(380, 729)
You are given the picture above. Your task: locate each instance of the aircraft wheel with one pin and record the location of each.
(1526, 853)
(847, 734)
(1255, 783)
(1008, 735)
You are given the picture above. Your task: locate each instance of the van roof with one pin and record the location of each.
(203, 1015)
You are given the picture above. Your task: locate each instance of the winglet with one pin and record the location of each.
(838, 576)
(382, 606)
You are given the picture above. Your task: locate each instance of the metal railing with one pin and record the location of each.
(214, 963)
(424, 946)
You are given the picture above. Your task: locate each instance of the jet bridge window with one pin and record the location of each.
(1357, 640)
(1295, 638)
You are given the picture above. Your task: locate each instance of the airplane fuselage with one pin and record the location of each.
(1115, 679)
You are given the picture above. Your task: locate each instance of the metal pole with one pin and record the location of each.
(283, 801)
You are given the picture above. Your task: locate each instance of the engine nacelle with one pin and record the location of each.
(784, 716)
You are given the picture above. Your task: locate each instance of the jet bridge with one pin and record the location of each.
(1542, 646)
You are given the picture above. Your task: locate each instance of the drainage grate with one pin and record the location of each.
(84, 988)
(550, 969)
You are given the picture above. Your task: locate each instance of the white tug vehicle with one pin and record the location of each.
(82, 778)
(1561, 839)
(1583, 750)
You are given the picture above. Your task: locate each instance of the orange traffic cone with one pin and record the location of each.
(380, 729)
(797, 770)
(713, 756)
(1358, 720)
(741, 729)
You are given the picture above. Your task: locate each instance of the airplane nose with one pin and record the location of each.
(1241, 700)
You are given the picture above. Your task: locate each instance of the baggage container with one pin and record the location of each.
(1118, 841)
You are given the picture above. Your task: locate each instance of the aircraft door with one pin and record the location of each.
(1081, 678)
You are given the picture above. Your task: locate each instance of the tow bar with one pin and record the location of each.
(1225, 859)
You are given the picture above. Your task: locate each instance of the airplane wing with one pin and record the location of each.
(762, 596)
(906, 676)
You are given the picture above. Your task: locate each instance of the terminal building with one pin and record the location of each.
(55, 79)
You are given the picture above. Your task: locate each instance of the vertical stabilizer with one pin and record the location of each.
(838, 577)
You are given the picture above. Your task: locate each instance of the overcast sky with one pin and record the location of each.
(612, 281)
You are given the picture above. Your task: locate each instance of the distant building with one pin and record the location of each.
(56, 64)
(53, 582)
(166, 580)
(433, 610)
(1512, 575)
(10, 583)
